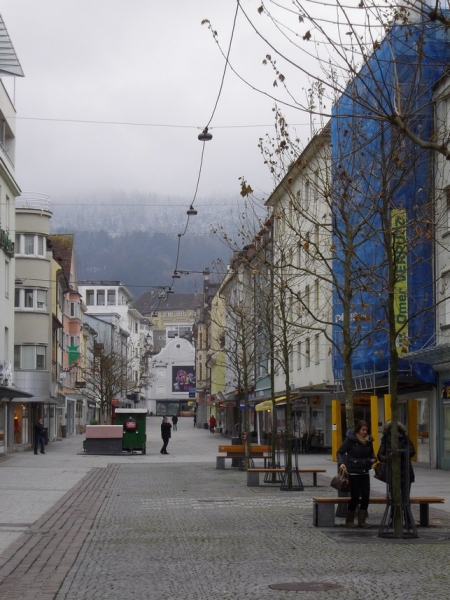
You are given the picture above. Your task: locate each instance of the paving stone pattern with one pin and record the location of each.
(186, 531)
(191, 532)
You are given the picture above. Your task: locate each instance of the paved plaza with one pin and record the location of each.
(174, 528)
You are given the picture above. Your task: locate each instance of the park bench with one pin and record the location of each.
(238, 452)
(253, 474)
(324, 513)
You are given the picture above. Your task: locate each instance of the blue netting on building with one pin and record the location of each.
(374, 166)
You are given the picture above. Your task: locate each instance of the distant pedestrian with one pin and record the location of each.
(174, 421)
(212, 423)
(195, 419)
(166, 432)
(39, 436)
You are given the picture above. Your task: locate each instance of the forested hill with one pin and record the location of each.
(131, 240)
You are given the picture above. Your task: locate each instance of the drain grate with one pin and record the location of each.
(304, 586)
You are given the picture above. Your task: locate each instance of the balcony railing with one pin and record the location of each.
(6, 155)
(34, 200)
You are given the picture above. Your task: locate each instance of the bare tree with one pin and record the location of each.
(105, 374)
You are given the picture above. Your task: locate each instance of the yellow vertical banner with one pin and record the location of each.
(387, 407)
(374, 422)
(412, 412)
(336, 428)
(398, 219)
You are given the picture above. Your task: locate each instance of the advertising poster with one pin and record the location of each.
(183, 379)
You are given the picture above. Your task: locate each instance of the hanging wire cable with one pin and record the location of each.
(226, 64)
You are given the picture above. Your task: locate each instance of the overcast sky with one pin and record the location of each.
(148, 62)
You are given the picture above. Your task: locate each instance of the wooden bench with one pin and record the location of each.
(238, 452)
(323, 508)
(253, 474)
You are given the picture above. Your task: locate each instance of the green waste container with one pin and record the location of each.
(133, 423)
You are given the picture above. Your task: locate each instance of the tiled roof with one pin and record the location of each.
(150, 301)
(62, 246)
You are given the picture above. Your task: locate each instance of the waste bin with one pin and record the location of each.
(133, 423)
(64, 431)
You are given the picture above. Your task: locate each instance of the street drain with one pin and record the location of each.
(304, 586)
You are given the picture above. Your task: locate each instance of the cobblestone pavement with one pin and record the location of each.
(186, 531)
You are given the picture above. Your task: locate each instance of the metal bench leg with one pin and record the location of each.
(220, 462)
(252, 479)
(314, 479)
(424, 514)
(323, 515)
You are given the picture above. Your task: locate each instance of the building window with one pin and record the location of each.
(307, 352)
(6, 278)
(317, 348)
(90, 298)
(30, 299)
(299, 355)
(7, 215)
(31, 358)
(30, 245)
(100, 297)
(111, 297)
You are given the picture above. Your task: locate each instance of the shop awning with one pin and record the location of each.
(33, 400)
(11, 392)
(267, 404)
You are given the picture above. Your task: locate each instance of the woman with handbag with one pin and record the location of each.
(356, 457)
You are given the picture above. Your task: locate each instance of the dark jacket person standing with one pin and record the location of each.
(406, 448)
(356, 456)
(166, 432)
(39, 436)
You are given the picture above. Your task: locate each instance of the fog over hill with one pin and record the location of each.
(134, 237)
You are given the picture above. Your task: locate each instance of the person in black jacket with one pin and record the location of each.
(166, 433)
(406, 449)
(356, 456)
(39, 436)
(174, 421)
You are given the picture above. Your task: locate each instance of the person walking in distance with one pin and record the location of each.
(39, 436)
(174, 421)
(212, 423)
(356, 456)
(166, 433)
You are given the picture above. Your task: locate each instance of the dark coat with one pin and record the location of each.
(357, 457)
(38, 429)
(404, 444)
(166, 430)
(174, 419)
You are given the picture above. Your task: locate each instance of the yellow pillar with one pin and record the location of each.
(412, 412)
(374, 421)
(336, 428)
(387, 407)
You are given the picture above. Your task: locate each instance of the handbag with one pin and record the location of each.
(380, 471)
(341, 482)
